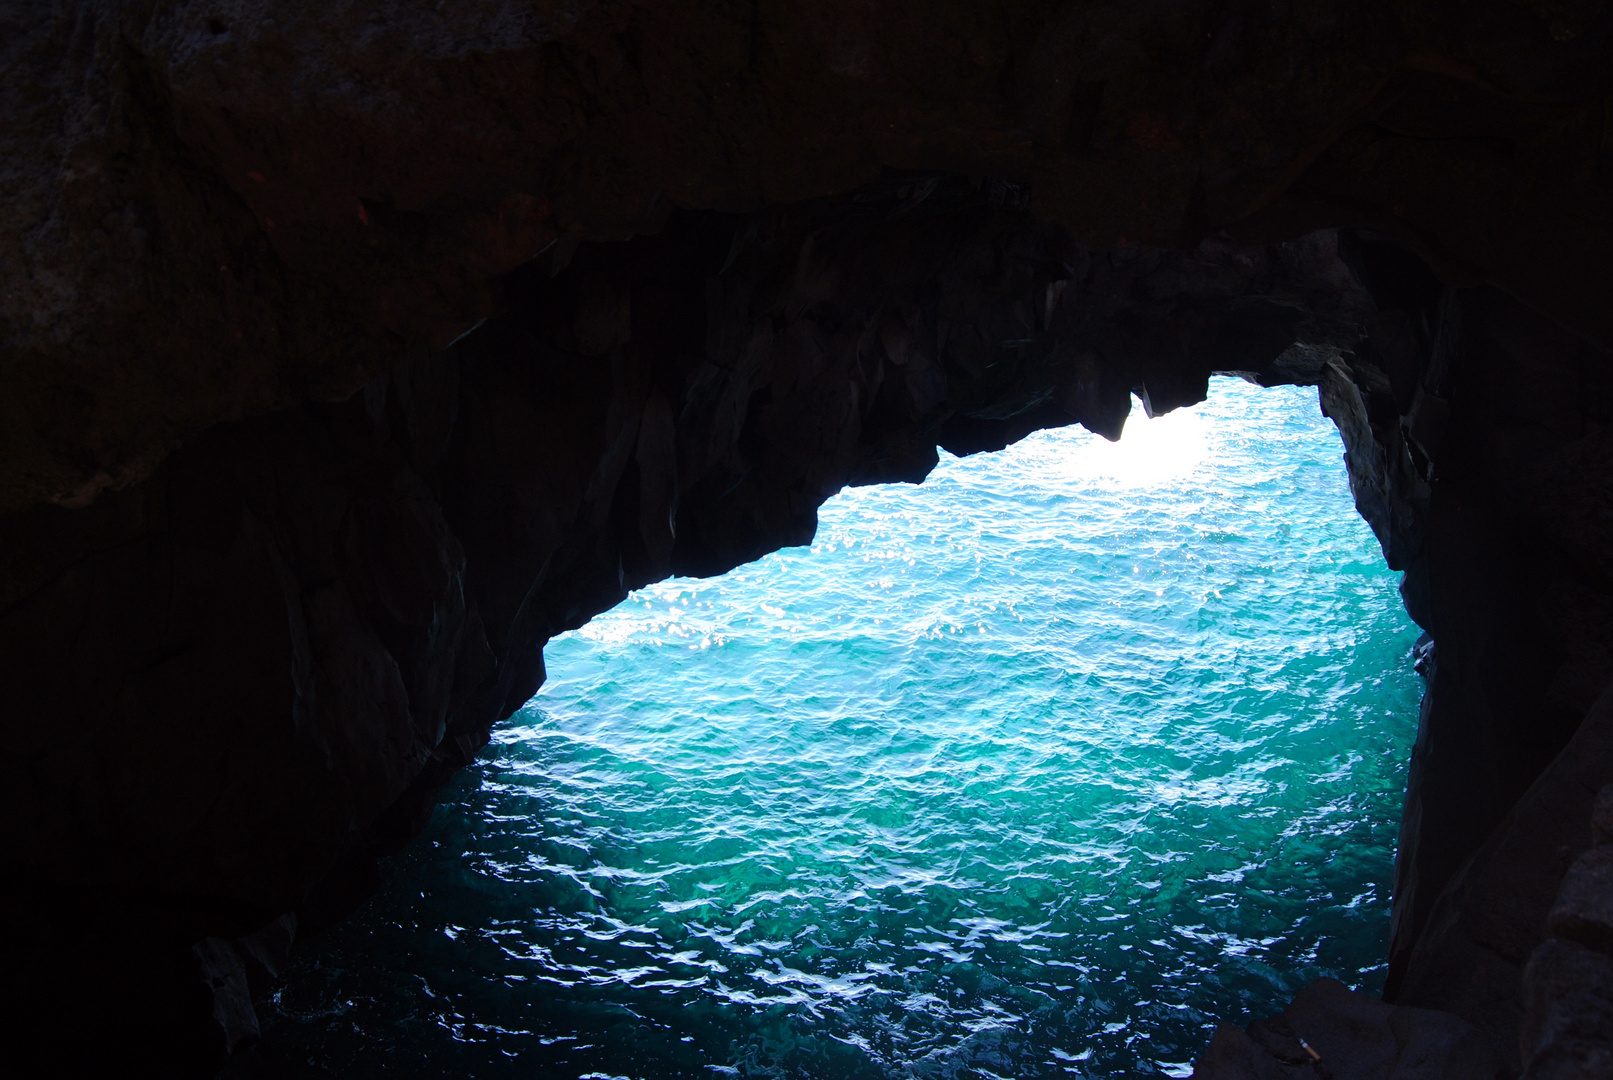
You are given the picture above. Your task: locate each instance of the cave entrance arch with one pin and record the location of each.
(1053, 760)
(307, 621)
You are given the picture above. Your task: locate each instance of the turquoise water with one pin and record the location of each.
(1040, 768)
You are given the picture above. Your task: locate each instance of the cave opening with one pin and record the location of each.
(350, 357)
(1042, 767)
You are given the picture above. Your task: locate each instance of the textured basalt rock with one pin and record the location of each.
(1567, 1028)
(278, 550)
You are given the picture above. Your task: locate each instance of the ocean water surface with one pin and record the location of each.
(1038, 769)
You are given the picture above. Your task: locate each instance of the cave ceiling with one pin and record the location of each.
(214, 210)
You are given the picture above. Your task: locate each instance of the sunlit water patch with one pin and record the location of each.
(1038, 769)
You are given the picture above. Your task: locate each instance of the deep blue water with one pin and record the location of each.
(1040, 768)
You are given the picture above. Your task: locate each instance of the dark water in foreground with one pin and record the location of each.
(1038, 769)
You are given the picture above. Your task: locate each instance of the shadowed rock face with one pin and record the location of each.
(209, 211)
(277, 555)
(1353, 1037)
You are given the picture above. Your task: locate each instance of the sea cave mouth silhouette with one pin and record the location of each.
(1042, 767)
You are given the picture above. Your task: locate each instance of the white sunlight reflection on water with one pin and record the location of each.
(1150, 452)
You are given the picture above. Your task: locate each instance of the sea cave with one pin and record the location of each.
(353, 357)
(1030, 769)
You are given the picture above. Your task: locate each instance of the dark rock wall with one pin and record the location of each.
(1477, 434)
(1330, 1031)
(1473, 956)
(1512, 574)
(212, 210)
